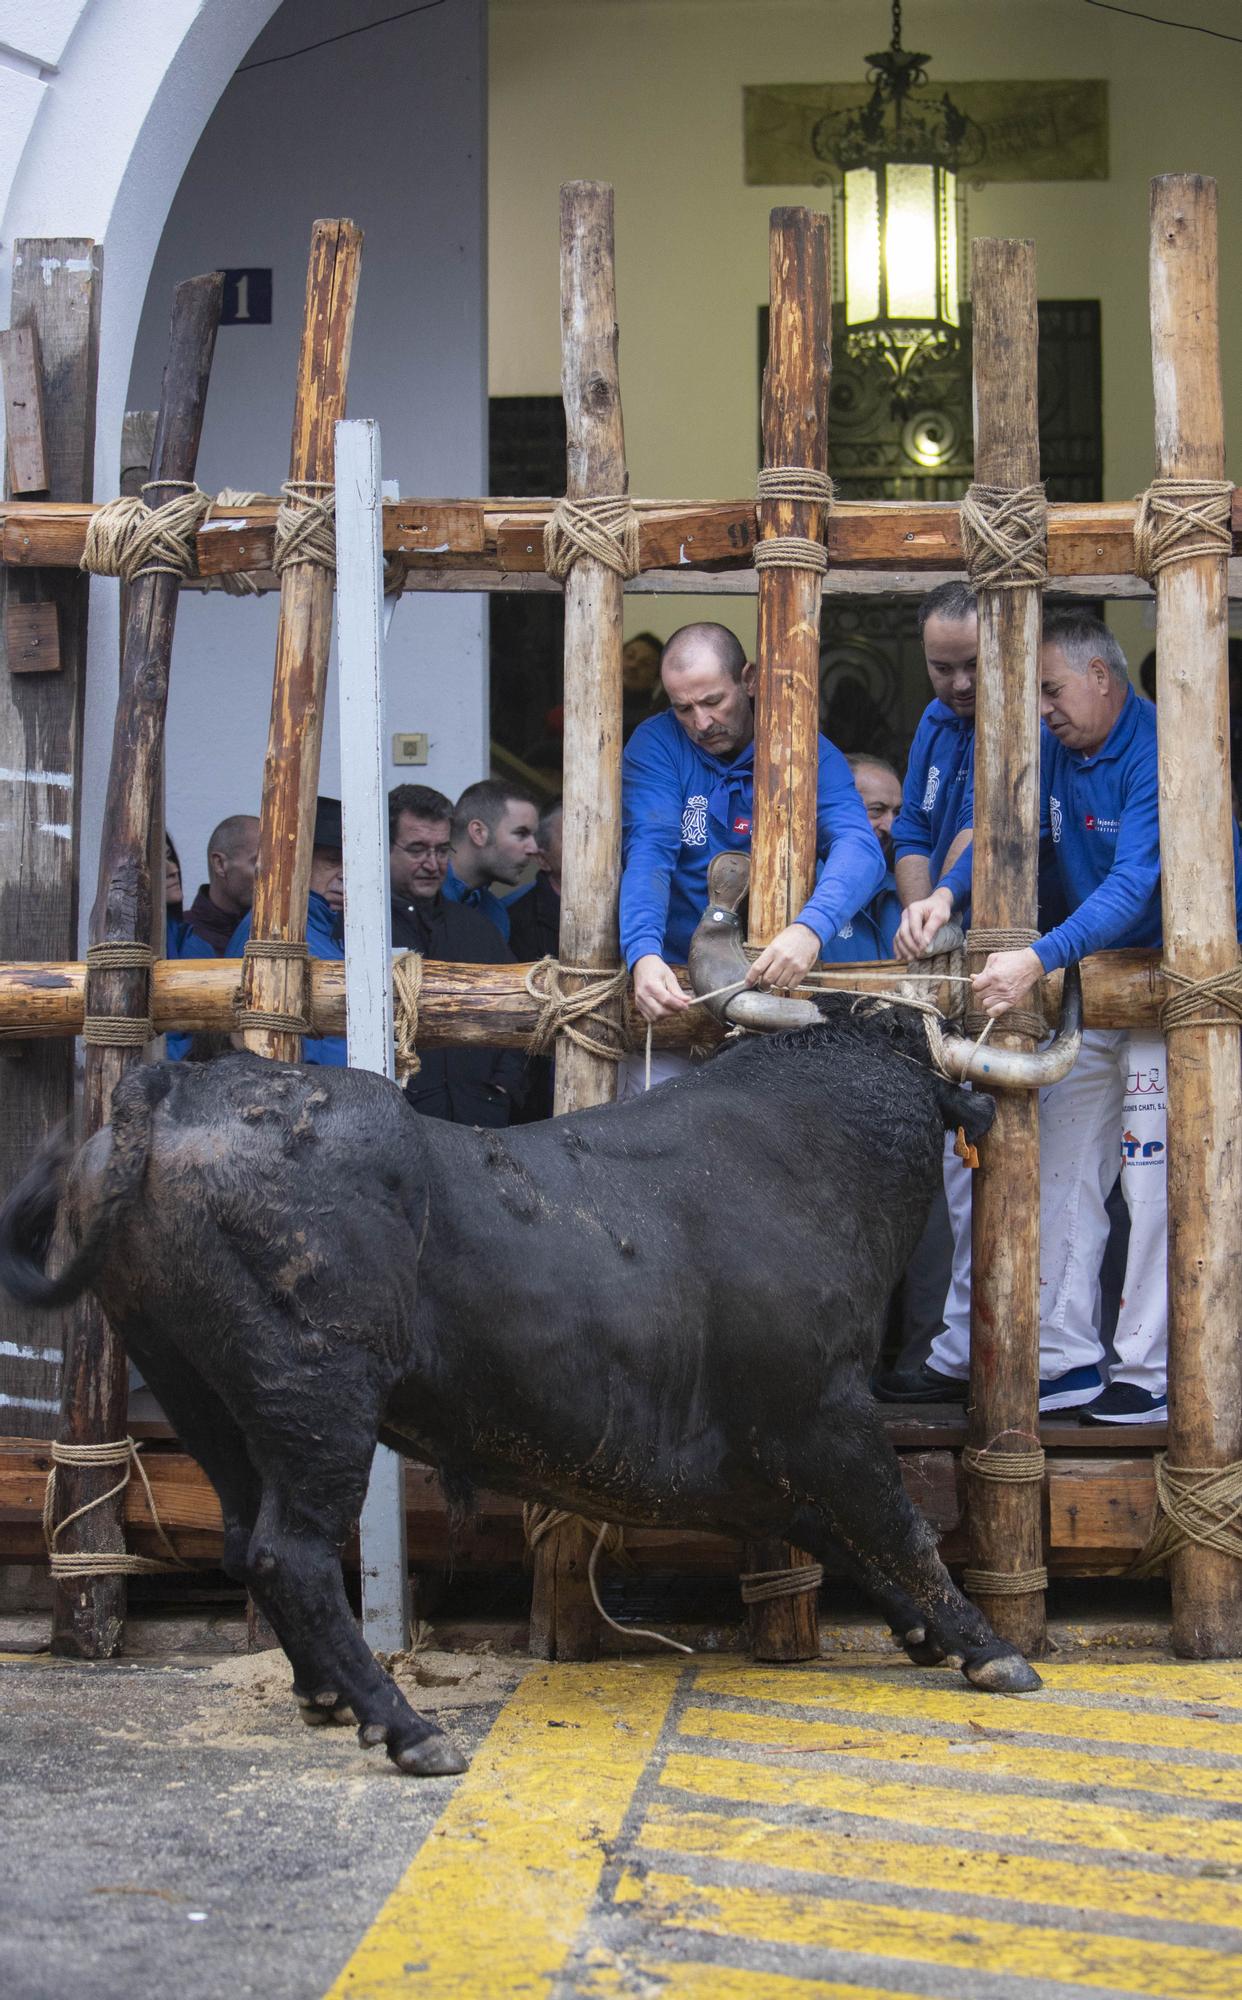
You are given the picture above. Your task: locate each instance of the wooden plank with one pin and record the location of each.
(1100, 1504)
(56, 291)
(88, 1612)
(368, 927)
(303, 640)
(1197, 892)
(32, 637)
(786, 756)
(1004, 1314)
(22, 372)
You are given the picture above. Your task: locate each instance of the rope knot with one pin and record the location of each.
(1194, 1503)
(980, 942)
(129, 539)
(1005, 536)
(1179, 519)
(1220, 990)
(579, 1015)
(605, 528)
(306, 524)
(89, 1457)
(407, 986)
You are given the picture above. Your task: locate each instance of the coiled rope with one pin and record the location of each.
(110, 1563)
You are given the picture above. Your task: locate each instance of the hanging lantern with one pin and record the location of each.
(898, 157)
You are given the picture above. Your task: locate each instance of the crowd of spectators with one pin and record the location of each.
(478, 881)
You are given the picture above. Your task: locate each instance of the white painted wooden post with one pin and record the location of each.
(368, 928)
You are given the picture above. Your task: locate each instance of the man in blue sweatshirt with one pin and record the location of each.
(1099, 827)
(687, 793)
(325, 918)
(930, 834)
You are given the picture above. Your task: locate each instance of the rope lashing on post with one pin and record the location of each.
(241, 582)
(791, 552)
(795, 482)
(275, 950)
(605, 529)
(407, 987)
(1222, 990)
(119, 1031)
(1199, 1504)
(579, 1016)
(129, 539)
(1005, 536)
(1018, 1020)
(1006, 1467)
(106, 1563)
(760, 1586)
(306, 524)
(539, 1520)
(1179, 519)
(1004, 1583)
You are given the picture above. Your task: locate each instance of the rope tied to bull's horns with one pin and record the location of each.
(760, 1586)
(539, 1519)
(238, 582)
(277, 1020)
(306, 524)
(1179, 519)
(981, 940)
(129, 539)
(1005, 536)
(605, 528)
(1200, 1504)
(116, 1562)
(579, 1015)
(119, 1031)
(1221, 990)
(407, 987)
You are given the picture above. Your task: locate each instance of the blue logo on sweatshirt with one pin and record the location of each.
(1054, 814)
(694, 822)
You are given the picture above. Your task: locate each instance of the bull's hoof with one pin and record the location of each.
(1004, 1673)
(319, 1710)
(434, 1757)
(920, 1648)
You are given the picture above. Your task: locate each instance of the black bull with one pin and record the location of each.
(659, 1313)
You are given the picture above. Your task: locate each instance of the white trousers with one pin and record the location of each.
(632, 1072)
(1079, 1122)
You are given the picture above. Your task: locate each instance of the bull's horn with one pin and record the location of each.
(717, 959)
(1012, 1069)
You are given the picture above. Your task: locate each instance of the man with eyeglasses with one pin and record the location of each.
(469, 1086)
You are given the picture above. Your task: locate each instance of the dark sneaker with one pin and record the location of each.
(1123, 1403)
(1069, 1391)
(919, 1385)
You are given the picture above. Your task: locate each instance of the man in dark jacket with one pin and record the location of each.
(535, 933)
(469, 1086)
(227, 894)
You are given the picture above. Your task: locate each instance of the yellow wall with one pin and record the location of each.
(647, 94)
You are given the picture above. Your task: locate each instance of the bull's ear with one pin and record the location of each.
(728, 879)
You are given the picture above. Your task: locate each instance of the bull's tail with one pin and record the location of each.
(28, 1217)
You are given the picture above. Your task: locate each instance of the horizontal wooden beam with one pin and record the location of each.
(502, 540)
(489, 1004)
(1099, 1513)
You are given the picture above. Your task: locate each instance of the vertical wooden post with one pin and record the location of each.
(1005, 1518)
(1200, 935)
(303, 642)
(56, 295)
(88, 1612)
(368, 930)
(795, 433)
(563, 1623)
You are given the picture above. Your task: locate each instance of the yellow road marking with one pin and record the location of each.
(606, 1976)
(1205, 1684)
(491, 1904)
(980, 1753)
(878, 1695)
(1085, 1958)
(959, 1871)
(990, 1815)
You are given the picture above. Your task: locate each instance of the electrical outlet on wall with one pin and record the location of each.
(410, 747)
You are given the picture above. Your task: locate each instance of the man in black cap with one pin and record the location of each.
(468, 1086)
(325, 918)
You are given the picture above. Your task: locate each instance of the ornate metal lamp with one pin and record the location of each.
(898, 159)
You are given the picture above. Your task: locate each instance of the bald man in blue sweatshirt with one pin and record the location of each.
(687, 793)
(1099, 827)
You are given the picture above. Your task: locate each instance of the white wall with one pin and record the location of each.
(386, 127)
